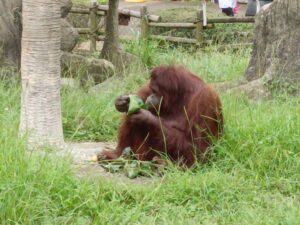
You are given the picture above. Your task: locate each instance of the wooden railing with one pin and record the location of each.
(199, 26)
(148, 21)
(96, 11)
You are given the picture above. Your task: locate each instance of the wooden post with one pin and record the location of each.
(145, 29)
(93, 26)
(199, 27)
(204, 14)
(257, 6)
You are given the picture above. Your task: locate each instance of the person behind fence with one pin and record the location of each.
(236, 8)
(229, 7)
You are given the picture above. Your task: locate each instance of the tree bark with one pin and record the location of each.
(111, 50)
(40, 69)
(276, 51)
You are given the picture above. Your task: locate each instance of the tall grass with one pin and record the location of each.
(212, 65)
(251, 177)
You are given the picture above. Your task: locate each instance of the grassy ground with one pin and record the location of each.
(252, 177)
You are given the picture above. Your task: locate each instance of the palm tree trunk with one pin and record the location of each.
(40, 69)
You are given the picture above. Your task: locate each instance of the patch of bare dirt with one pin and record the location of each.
(85, 165)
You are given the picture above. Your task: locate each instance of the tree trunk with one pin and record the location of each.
(40, 69)
(275, 60)
(111, 48)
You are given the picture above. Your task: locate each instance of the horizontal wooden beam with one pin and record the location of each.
(173, 39)
(83, 30)
(131, 13)
(231, 46)
(102, 9)
(231, 20)
(85, 11)
(173, 25)
(101, 38)
(87, 31)
(122, 38)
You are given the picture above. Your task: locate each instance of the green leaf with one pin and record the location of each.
(132, 170)
(135, 104)
(127, 153)
(112, 168)
(132, 173)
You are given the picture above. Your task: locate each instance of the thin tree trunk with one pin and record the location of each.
(111, 47)
(40, 69)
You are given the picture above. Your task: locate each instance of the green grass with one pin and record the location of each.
(212, 65)
(252, 176)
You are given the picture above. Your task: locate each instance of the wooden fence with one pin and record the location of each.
(201, 23)
(96, 11)
(148, 21)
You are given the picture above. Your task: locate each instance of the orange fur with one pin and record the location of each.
(190, 116)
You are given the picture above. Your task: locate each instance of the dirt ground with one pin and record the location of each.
(85, 166)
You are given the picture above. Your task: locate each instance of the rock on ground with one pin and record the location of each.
(69, 36)
(87, 69)
(11, 29)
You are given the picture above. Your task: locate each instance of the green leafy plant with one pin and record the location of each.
(135, 104)
(131, 167)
